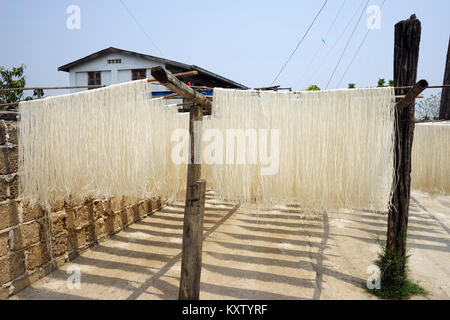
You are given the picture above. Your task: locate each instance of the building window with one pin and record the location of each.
(94, 79)
(112, 61)
(137, 74)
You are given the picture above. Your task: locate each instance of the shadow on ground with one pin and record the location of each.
(247, 254)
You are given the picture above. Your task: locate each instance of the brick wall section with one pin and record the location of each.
(34, 241)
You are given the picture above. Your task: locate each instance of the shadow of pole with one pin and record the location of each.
(430, 214)
(176, 258)
(318, 267)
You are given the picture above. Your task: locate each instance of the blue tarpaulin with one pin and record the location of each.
(166, 93)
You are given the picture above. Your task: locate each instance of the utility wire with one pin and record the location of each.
(335, 19)
(357, 51)
(326, 37)
(301, 40)
(140, 27)
(337, 40)
(346, 46)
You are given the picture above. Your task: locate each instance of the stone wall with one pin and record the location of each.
(36, 241)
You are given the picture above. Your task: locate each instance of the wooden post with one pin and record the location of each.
(191, 261)
(191, 256)
(406, 57)
(444, 113)
(195, 131)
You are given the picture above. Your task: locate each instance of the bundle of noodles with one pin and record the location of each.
(431, 158)
(334, 150)
(173, 173)
(177, 150)
(108, 142)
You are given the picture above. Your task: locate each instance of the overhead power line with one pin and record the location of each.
(335, 19)
(140, 27)
(348, 42)
(357, 51)
(337, 41)
(300, 42)
(322, 43)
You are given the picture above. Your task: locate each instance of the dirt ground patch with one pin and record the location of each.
(254, 254)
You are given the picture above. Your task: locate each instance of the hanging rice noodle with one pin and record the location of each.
(335, 148)
(321, 150)
(172, 174)
(431, 158)
(107, 142)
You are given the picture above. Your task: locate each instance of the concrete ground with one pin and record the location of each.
(251, 254)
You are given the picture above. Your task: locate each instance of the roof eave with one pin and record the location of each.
(215, 75)
(68, 66)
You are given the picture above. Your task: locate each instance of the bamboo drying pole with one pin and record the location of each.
(409, 98)
(12, 104)
(178, 75)
(191, 259)
(429, 87)
(54, 88)
(9, 104)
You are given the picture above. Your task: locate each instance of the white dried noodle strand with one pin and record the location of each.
(431, 158)
(108, 142)
(336, 147)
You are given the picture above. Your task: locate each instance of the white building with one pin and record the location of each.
(112, 65)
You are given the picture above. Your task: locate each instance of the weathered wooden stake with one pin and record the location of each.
(191, 256)
(406, 57)
(444, 113)
(191, 260)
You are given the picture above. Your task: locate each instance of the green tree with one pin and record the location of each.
(14, 78)
(313, 87)
(382, 83)
(352, 86)
(428, 109)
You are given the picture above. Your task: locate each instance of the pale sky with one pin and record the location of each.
(246, 41)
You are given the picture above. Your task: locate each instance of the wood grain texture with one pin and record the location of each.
(406, 56)
(191, 262)
(191, 257)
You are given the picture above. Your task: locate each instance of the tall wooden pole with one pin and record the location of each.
(191, 260)
(406, 57)
(191, 256)
(444, 113)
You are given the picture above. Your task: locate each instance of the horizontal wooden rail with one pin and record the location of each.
(429, 87)
(54, 88)
(404, 96)
(178, 75)
(168, 80)
(13, 104)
